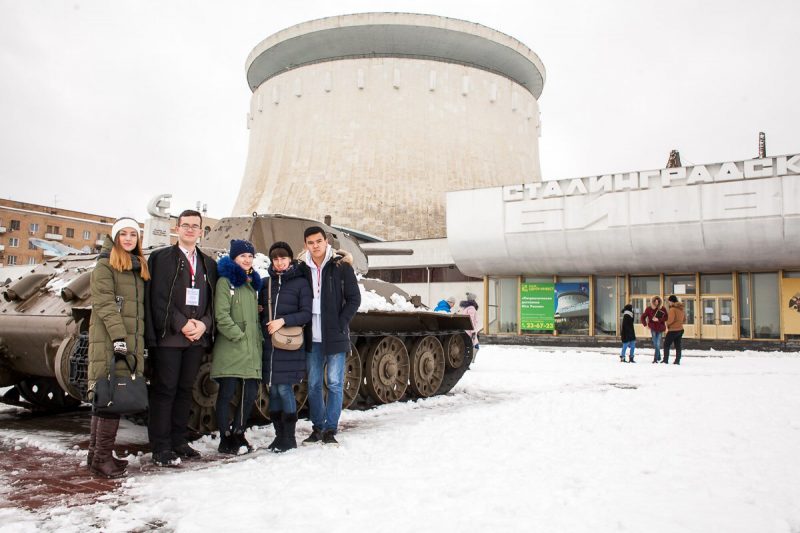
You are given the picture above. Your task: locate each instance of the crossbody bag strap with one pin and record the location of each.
(269, 298)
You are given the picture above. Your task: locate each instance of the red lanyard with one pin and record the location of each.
(192, 265)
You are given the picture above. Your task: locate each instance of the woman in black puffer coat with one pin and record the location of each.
(291, 301)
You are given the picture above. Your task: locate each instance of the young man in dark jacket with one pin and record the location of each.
(179, 331)
(336, 299)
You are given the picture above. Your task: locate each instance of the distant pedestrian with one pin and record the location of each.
(655, 318)
(286, 301)
(237, 350)
(445, 306)
(628, 334)
(116, 332)
(470, 307)
(675, 319)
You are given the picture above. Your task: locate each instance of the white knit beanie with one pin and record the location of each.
(121, 224)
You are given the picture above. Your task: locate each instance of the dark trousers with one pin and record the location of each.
(673, 337)
(227, 390)
(174, 372)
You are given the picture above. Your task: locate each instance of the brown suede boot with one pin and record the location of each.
(103, 460)
(92, 441)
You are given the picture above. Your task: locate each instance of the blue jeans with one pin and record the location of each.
(325, 417)
(628, 345)
(656, 344)
(227, 389)
(281, 398)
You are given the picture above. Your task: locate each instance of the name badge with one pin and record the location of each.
(192, 296)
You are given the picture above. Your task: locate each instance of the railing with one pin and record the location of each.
(54, 236)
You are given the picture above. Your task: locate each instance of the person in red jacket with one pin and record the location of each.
(655, 318)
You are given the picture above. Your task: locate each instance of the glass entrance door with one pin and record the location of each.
(689, 326)
(717, 317)
(640, 303)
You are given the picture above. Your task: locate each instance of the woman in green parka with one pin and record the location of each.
(116, 331)
(237, 349)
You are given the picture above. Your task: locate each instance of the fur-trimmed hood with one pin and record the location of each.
(331, 255)
(236, 275)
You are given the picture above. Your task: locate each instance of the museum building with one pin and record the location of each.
(561, 258)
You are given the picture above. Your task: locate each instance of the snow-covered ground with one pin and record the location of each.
(530, 440)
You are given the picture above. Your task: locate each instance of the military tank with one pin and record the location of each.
(394, 355)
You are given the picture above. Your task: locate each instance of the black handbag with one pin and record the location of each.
(123, 395)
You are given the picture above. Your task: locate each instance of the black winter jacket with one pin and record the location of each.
(628, 333)
(340, 300)
(291, 301)
(166, 264)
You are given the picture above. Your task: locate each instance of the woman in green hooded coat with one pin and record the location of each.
(237, 349)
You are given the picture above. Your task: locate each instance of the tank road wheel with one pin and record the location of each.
(262, 402)
(387, 370)
(204, 396)
(300, 394)
(352, 377)
(463, 357)
(46, 394)
(456, 348)
(427, 366)
(71, 366)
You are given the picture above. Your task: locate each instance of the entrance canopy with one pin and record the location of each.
(742, 215)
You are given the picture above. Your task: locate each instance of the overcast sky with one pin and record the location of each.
(104, 104)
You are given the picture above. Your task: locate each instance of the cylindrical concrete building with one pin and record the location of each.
(372, 117)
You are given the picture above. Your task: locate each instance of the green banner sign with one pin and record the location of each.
(537, 306)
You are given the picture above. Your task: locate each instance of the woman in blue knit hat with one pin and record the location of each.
(237, 350)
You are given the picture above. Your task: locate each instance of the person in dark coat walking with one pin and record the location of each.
(180, 331)
(286, 301)
(336, 298)
(628, 334)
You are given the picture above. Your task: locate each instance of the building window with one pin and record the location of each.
(572, 306)
(13, 242)
(99, 236)
(11, 260)
(716, 283)
(536, 305)
(678, 285)
(449, 274)
(70, 233)
(766, 313)
(34, 227)
(31, 260)
(15, 225)
(86, 235)
(645, 285)
(55, 230)
(745, 326)
(31, 246)
(502, 305)
(606, 305)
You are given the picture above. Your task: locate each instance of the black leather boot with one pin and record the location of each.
(103, 459)
(92, 443)
(288, 440)
(277, 424)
